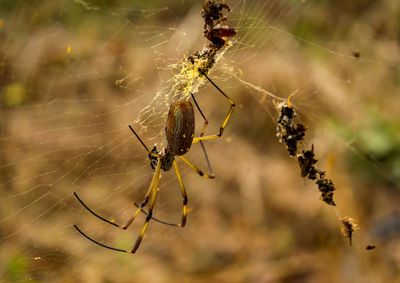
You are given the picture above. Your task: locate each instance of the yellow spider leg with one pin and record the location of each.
(184, 196)
(212, 176)
(147, 197)
(152, 202)
(183, 191)
(185, 201)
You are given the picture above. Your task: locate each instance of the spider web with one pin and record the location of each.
(75, 74)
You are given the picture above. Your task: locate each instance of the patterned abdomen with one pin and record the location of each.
(179, 128)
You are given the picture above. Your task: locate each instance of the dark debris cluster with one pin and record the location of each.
(215, 31)
(292, 134)
(288, 131)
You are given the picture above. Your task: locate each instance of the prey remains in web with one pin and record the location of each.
(193, 69)
(179, 128)
(292, 134)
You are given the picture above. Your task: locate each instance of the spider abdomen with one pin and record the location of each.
(179, 128)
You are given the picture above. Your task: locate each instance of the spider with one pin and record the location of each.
(179, 133)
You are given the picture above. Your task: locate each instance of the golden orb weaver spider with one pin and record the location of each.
(179, 132)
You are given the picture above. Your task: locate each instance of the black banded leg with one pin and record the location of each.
(222, 128)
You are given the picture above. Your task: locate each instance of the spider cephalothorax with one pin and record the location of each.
(167, 159)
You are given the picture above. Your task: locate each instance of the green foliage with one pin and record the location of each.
(378, 146)
(14, 94)
(15, 270)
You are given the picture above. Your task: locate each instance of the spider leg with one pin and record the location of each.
(94, 213)
(150, 213)
(141, 205)
(221, 129)
(98, 243)
(204, 117)
(156, 219)
(183, 193)
(130, 127)
(184, 196)
(185, 201)
(202, 134)
(152, 188)
(208, 161)
(153, 192)
(201, 173)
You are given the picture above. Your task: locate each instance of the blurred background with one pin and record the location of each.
(75, 73)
